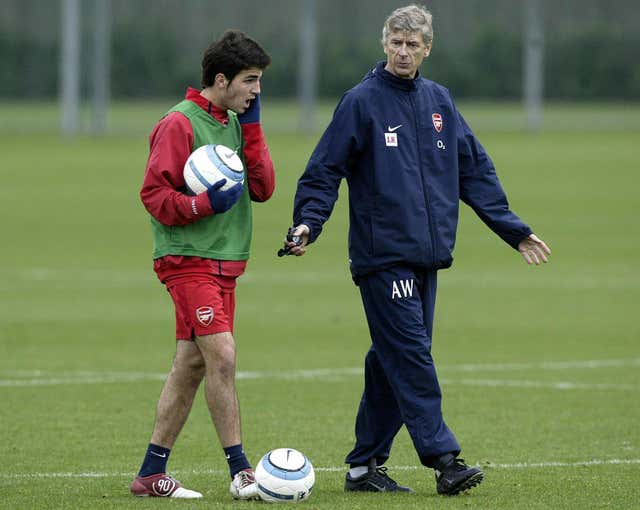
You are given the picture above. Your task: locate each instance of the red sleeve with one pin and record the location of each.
(260, 173)
(170, 146)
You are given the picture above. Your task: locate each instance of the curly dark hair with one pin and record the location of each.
(233, 52)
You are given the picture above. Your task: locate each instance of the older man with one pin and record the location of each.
(409, 157)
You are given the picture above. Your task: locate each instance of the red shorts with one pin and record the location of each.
(205, 304)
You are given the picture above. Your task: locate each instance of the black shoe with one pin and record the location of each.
(375, 479)
(454, 476)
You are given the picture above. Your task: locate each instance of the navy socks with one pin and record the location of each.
(236, 459)
(155, 460)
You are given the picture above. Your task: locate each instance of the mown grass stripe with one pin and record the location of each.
(333, 469)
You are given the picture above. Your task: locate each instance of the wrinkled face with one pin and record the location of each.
(244, 87)
(405, 52)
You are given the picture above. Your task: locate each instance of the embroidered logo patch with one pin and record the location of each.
(391, 139)
(204, 315)
(436, 118)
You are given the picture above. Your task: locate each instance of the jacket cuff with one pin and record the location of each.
(201, 205)
(516, 238)
(314, 229)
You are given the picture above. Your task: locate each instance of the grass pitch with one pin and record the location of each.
(540, 367)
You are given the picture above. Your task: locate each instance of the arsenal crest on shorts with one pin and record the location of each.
(436, 118)
(205, 315)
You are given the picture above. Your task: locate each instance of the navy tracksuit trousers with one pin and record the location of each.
(401, 385)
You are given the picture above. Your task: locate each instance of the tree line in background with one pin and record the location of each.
(593, 62)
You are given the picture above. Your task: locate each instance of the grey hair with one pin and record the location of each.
(412, 18)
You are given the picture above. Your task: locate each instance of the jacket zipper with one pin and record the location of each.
(425, 189)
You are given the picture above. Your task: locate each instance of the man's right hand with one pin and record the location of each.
(299, 249)
(222, 201)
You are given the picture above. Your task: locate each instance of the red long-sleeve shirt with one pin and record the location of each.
(170, 146)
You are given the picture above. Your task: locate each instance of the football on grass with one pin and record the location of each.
(210, 163)
(284, 475)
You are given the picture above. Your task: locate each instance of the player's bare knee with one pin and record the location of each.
(225, 362)
(219, 352)
(195, 370)
(189, 365)
(195, 364)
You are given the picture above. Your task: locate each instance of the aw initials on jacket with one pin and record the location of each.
(401, 289)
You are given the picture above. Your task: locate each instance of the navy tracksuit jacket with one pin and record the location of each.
(408, 157)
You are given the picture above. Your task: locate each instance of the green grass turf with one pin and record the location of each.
(81, 311)
(279, 116)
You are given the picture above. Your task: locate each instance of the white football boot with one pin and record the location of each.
(243, 485)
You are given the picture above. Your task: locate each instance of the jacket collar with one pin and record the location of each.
(215, 111)
(394, 81)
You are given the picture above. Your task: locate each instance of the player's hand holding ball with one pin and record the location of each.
(218, 171)
(222, 201)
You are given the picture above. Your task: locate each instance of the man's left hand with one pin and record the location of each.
(534, 250)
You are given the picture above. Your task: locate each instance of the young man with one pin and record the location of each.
(201, 245)
(408, 157)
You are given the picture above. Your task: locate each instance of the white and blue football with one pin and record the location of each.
(284, 475)
(210, 163)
